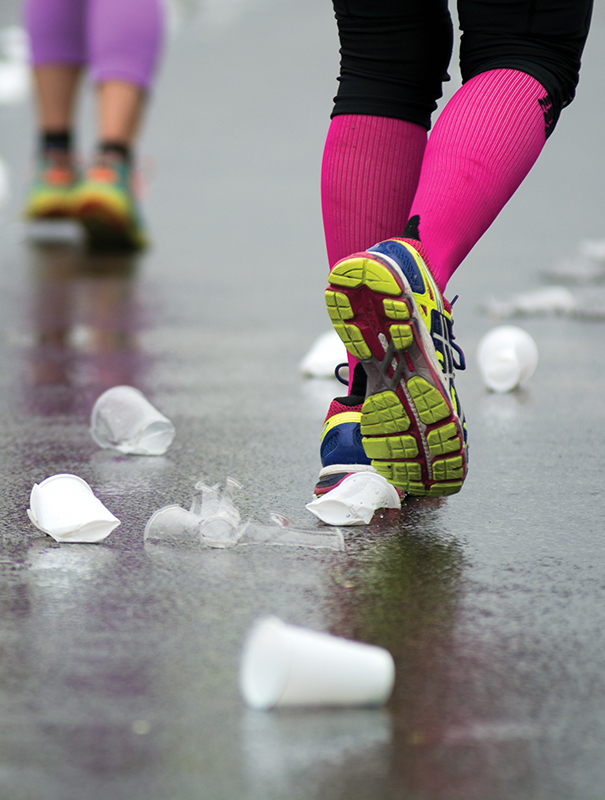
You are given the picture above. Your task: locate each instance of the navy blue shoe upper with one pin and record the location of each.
(342, 445)
(405, 260)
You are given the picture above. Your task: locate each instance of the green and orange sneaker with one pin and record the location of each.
(51, 191)
(106, 205)
(388, 311)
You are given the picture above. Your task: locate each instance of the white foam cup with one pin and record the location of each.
(324, 356)
(354, 501)
(123, 419)
(286, 665)
(507, 357)
(64, 507)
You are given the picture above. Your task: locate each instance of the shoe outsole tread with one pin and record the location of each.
(406, 395)
(108, 222)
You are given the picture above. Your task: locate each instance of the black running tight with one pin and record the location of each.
(395, 53)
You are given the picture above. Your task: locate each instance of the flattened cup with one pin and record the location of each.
(354, 501)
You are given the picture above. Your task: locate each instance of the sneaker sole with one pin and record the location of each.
(47, 209)
(331, 477)
(409, 425)
(107, 228)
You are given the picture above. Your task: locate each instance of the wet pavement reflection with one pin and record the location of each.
(84, 324)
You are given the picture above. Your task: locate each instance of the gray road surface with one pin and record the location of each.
(118, 662)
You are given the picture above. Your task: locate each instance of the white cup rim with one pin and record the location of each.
(51, 478)
(262, 692)
(121, 386)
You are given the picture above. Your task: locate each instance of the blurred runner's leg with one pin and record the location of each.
(124, 46)
(56, 31)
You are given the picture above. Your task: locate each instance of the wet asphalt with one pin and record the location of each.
(118, 661)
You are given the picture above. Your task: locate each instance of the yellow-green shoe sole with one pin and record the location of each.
(409, 429)
(108, 219)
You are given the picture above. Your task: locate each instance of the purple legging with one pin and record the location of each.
(118, 39)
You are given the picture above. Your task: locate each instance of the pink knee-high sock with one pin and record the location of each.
(370, 171)
(483, 145)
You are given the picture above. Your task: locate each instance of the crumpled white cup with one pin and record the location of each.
(354, 501)
(64, 507)
(286, 665)
(123, 419)
(507, 357)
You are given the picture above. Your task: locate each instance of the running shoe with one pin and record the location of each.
(51, 191)
(387, 309)
(105, 204)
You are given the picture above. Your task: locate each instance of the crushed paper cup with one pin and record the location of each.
(220, 520)
(507, 358)
(326, 353)
(354, 501)
(286, 665)
(173, 524)
(123, 419)
(64, 507)
(220, 532)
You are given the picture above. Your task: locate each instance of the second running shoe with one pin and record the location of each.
(51, 192)
(105, 203)
(388, 311)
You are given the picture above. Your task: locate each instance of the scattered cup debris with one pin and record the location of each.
(287, 665)
(326, 353)
(586, 266)
(123, 419)
(214, 521)
(64, 507)
(219, 518)
(552, 300)
(354, 501)
(507, 358)
(291, 536)
(173, 524)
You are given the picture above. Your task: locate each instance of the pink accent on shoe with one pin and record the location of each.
(326, 489)
(482, 146)
(340, 408)
(353, 362)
